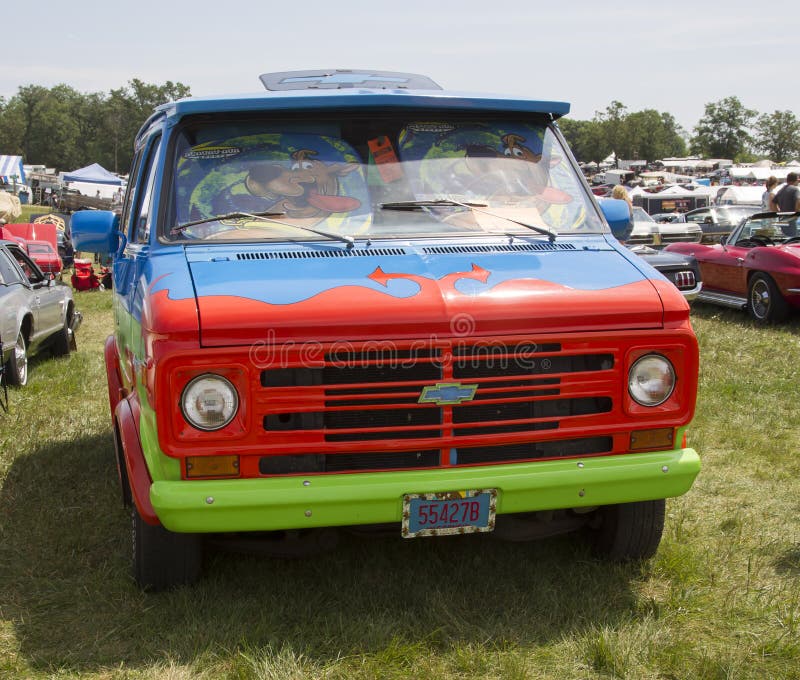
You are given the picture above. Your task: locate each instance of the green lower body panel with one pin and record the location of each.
(299, 502)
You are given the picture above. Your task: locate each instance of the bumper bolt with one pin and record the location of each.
(210, 500)
(665, 469)
(308, 513)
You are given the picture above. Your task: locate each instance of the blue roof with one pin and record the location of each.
(362, 98)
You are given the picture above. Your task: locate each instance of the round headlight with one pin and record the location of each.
(651, 380)
(209, 402)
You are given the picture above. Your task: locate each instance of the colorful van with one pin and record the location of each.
(357, 299)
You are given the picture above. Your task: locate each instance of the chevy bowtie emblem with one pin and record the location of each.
(447, 394)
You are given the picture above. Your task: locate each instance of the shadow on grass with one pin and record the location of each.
(65, 585)
(789, 561)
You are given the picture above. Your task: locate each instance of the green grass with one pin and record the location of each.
(721, 599)
(28, 210)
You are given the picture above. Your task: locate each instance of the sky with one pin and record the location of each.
(674, 57)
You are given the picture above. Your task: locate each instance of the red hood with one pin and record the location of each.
(242, 302)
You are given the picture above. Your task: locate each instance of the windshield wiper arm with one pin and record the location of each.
(421, 205)
(263, 217)
(178, 229)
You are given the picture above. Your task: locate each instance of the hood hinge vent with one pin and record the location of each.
(315, 254)
(497, 248)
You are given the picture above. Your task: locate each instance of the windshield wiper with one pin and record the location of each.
(422, 205)
(263, 217)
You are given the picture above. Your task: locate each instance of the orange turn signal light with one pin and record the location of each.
(212, 466)
(661, 438)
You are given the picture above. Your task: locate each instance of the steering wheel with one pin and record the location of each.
(793, 239)
(762, 240)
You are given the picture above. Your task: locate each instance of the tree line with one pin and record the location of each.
(727, 129)
(62, 128)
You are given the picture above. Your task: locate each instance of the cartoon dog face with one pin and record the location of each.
(531, 177)
(308, 189)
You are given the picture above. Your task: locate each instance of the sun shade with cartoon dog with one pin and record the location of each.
(301, 179)
(515, 169)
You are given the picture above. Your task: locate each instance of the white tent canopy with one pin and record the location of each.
(741, 196)
(761, 173)
(11, 169)
(91, 174)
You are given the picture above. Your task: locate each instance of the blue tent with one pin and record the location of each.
(11, 169)
(94, 173)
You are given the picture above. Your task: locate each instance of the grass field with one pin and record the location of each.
(721, 599)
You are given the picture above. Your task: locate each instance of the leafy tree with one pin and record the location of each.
(645, 135)
(63, 128)
(778, 135)
(722, 131)
(650, 135)
(612, 123)
(586, 139)
(128, 108)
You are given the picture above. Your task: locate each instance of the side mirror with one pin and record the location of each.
(618, 216)
(95, 231)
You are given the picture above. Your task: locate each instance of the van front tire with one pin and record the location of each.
(628, 531)
(163, 559)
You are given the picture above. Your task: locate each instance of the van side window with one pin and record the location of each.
(144, 214)
(131, 190)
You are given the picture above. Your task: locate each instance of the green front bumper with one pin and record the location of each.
(300, 502)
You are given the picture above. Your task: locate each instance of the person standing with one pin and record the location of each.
(788, 198)
(766, 197)
(621, 194)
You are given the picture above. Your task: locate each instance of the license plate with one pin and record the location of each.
(451, 512)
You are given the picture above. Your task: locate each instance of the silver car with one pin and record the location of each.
(648, 232)
(36, 313)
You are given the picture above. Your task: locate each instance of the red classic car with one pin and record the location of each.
(756, 267)
(43, 254)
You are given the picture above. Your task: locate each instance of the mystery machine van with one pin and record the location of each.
(356, 299)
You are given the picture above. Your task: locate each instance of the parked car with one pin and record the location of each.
(645, 229)
(756, 267)
(42, 254)
(36, 312)
(718, 221)
(669, 217)
(680, 268)
(648, 232)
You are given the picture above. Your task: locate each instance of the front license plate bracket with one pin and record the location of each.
(450, 512)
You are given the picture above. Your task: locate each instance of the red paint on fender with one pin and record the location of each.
(127, 417)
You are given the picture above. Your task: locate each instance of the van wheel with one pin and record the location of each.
(764, 301)
(628, 531)
(163, 559)
(17, 364)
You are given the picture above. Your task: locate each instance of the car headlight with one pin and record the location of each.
(651, 380)
(209, 402)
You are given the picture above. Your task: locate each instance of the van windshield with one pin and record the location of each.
(382, 177)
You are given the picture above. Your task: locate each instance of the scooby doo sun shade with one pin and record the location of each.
(309, 180)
